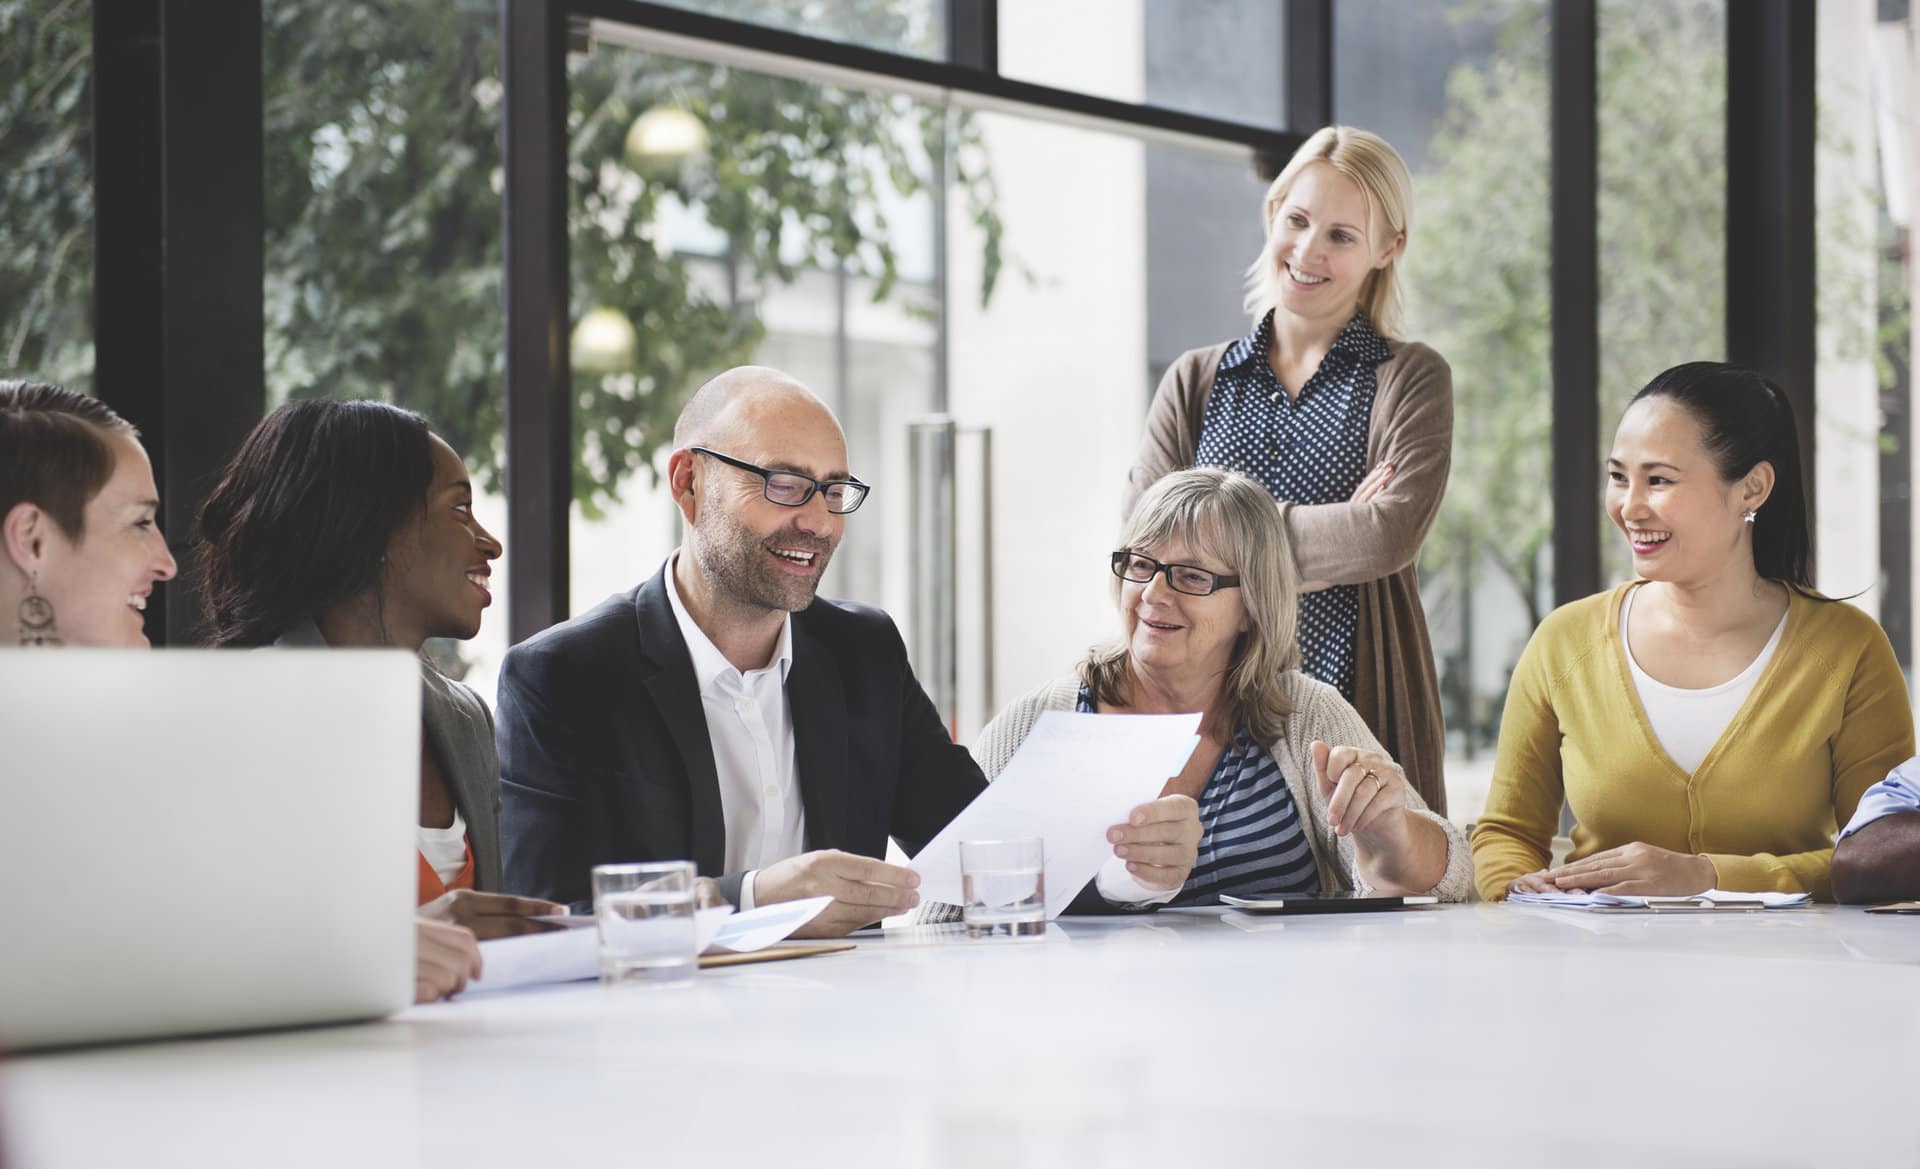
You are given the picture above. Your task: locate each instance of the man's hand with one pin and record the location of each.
(1160, 841)
(444, 957)
(864, 890)
(491, 915)
(1636, 870)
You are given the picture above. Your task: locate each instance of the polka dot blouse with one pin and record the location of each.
(1311, 448)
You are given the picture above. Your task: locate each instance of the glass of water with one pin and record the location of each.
(645, 915)
(1004, 882)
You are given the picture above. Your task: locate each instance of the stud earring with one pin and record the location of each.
(36, 617)
(1748, 516)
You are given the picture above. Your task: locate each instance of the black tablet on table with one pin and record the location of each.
(1325, 902)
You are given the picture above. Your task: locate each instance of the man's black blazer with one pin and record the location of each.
(604, 754)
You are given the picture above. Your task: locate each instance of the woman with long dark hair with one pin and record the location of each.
(351, 524)
(1710, 722)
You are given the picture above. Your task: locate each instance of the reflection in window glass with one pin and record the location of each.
(1127, 255)
(46, 191)
(914, 28)
(1462, 92)
(723, 217)
(383, 252)
(1865, 150)
(1218, 58)
(1662, 79)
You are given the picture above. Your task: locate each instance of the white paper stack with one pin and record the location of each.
(1711, 899)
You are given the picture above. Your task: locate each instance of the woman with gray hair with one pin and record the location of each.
(1295, 794)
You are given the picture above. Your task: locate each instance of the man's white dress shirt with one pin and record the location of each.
(750, 726)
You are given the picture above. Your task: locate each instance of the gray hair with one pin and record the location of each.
(1235, 519)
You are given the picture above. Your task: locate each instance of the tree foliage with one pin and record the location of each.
(384, 248)
(46, 189)
(1480, 269)
(382, 174)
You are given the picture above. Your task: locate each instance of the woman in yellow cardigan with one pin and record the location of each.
(1710, 722)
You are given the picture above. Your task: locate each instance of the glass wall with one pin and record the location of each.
(1865, 152)
(1219, 58)
(46, 191)
(383, 252)
(900, 259)
(1662, 79)
(1463, 92)
(916, 28)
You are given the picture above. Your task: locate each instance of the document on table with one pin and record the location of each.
(1075, 776)
(570, 955)
(1711, 899)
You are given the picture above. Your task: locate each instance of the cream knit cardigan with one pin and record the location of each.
(1318, 713)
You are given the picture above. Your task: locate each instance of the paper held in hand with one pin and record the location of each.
(1075, 776)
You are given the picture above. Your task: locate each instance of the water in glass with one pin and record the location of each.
(646, 936)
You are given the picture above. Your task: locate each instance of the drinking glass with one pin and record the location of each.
(645, 915)
(1004, 884)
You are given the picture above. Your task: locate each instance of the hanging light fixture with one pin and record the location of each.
(603, 341)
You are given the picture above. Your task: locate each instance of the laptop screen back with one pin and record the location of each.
(201, 840)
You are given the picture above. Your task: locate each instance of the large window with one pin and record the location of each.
(915, 28)
(383, 256)
(1865, 150)
(46, 191)
(1219, 58)
(1029, 280)
(1662, 80)
(1463, 92)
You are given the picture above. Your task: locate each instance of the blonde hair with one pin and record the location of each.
(1233, 518)
(1382, 175)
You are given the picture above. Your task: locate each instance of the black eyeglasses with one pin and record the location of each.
(1184, 578)
(792, 489)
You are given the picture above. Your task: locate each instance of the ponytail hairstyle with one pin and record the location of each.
(1746, 420)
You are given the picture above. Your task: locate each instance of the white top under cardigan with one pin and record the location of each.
(1689, 722)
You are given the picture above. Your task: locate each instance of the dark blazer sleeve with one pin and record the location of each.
(938, 776)
(546, 743)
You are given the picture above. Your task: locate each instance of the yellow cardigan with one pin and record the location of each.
(1827, 719)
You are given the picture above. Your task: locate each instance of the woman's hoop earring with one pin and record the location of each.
(1749, 515)
(37, 626)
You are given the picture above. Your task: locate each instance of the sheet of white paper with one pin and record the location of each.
(758, 928)
(568, 955)
(1615, 901)
(1075, 776)
(573, 954)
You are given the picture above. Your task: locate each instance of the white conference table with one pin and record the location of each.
(1463, 1035)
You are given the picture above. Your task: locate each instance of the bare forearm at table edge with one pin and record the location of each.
(1413, 864)
(1880, 862)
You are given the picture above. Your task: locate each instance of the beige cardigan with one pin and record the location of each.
(1374, 545)
(1318, 713)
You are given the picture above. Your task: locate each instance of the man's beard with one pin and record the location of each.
(741, 567)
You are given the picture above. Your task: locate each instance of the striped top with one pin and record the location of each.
(1251, 836)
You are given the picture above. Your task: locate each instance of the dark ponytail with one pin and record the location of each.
(1746, 420)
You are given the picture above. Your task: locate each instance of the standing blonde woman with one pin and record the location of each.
(1347, 425)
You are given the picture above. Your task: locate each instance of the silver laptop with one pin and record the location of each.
(200, 840)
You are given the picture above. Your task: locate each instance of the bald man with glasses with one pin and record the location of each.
(721, 711)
